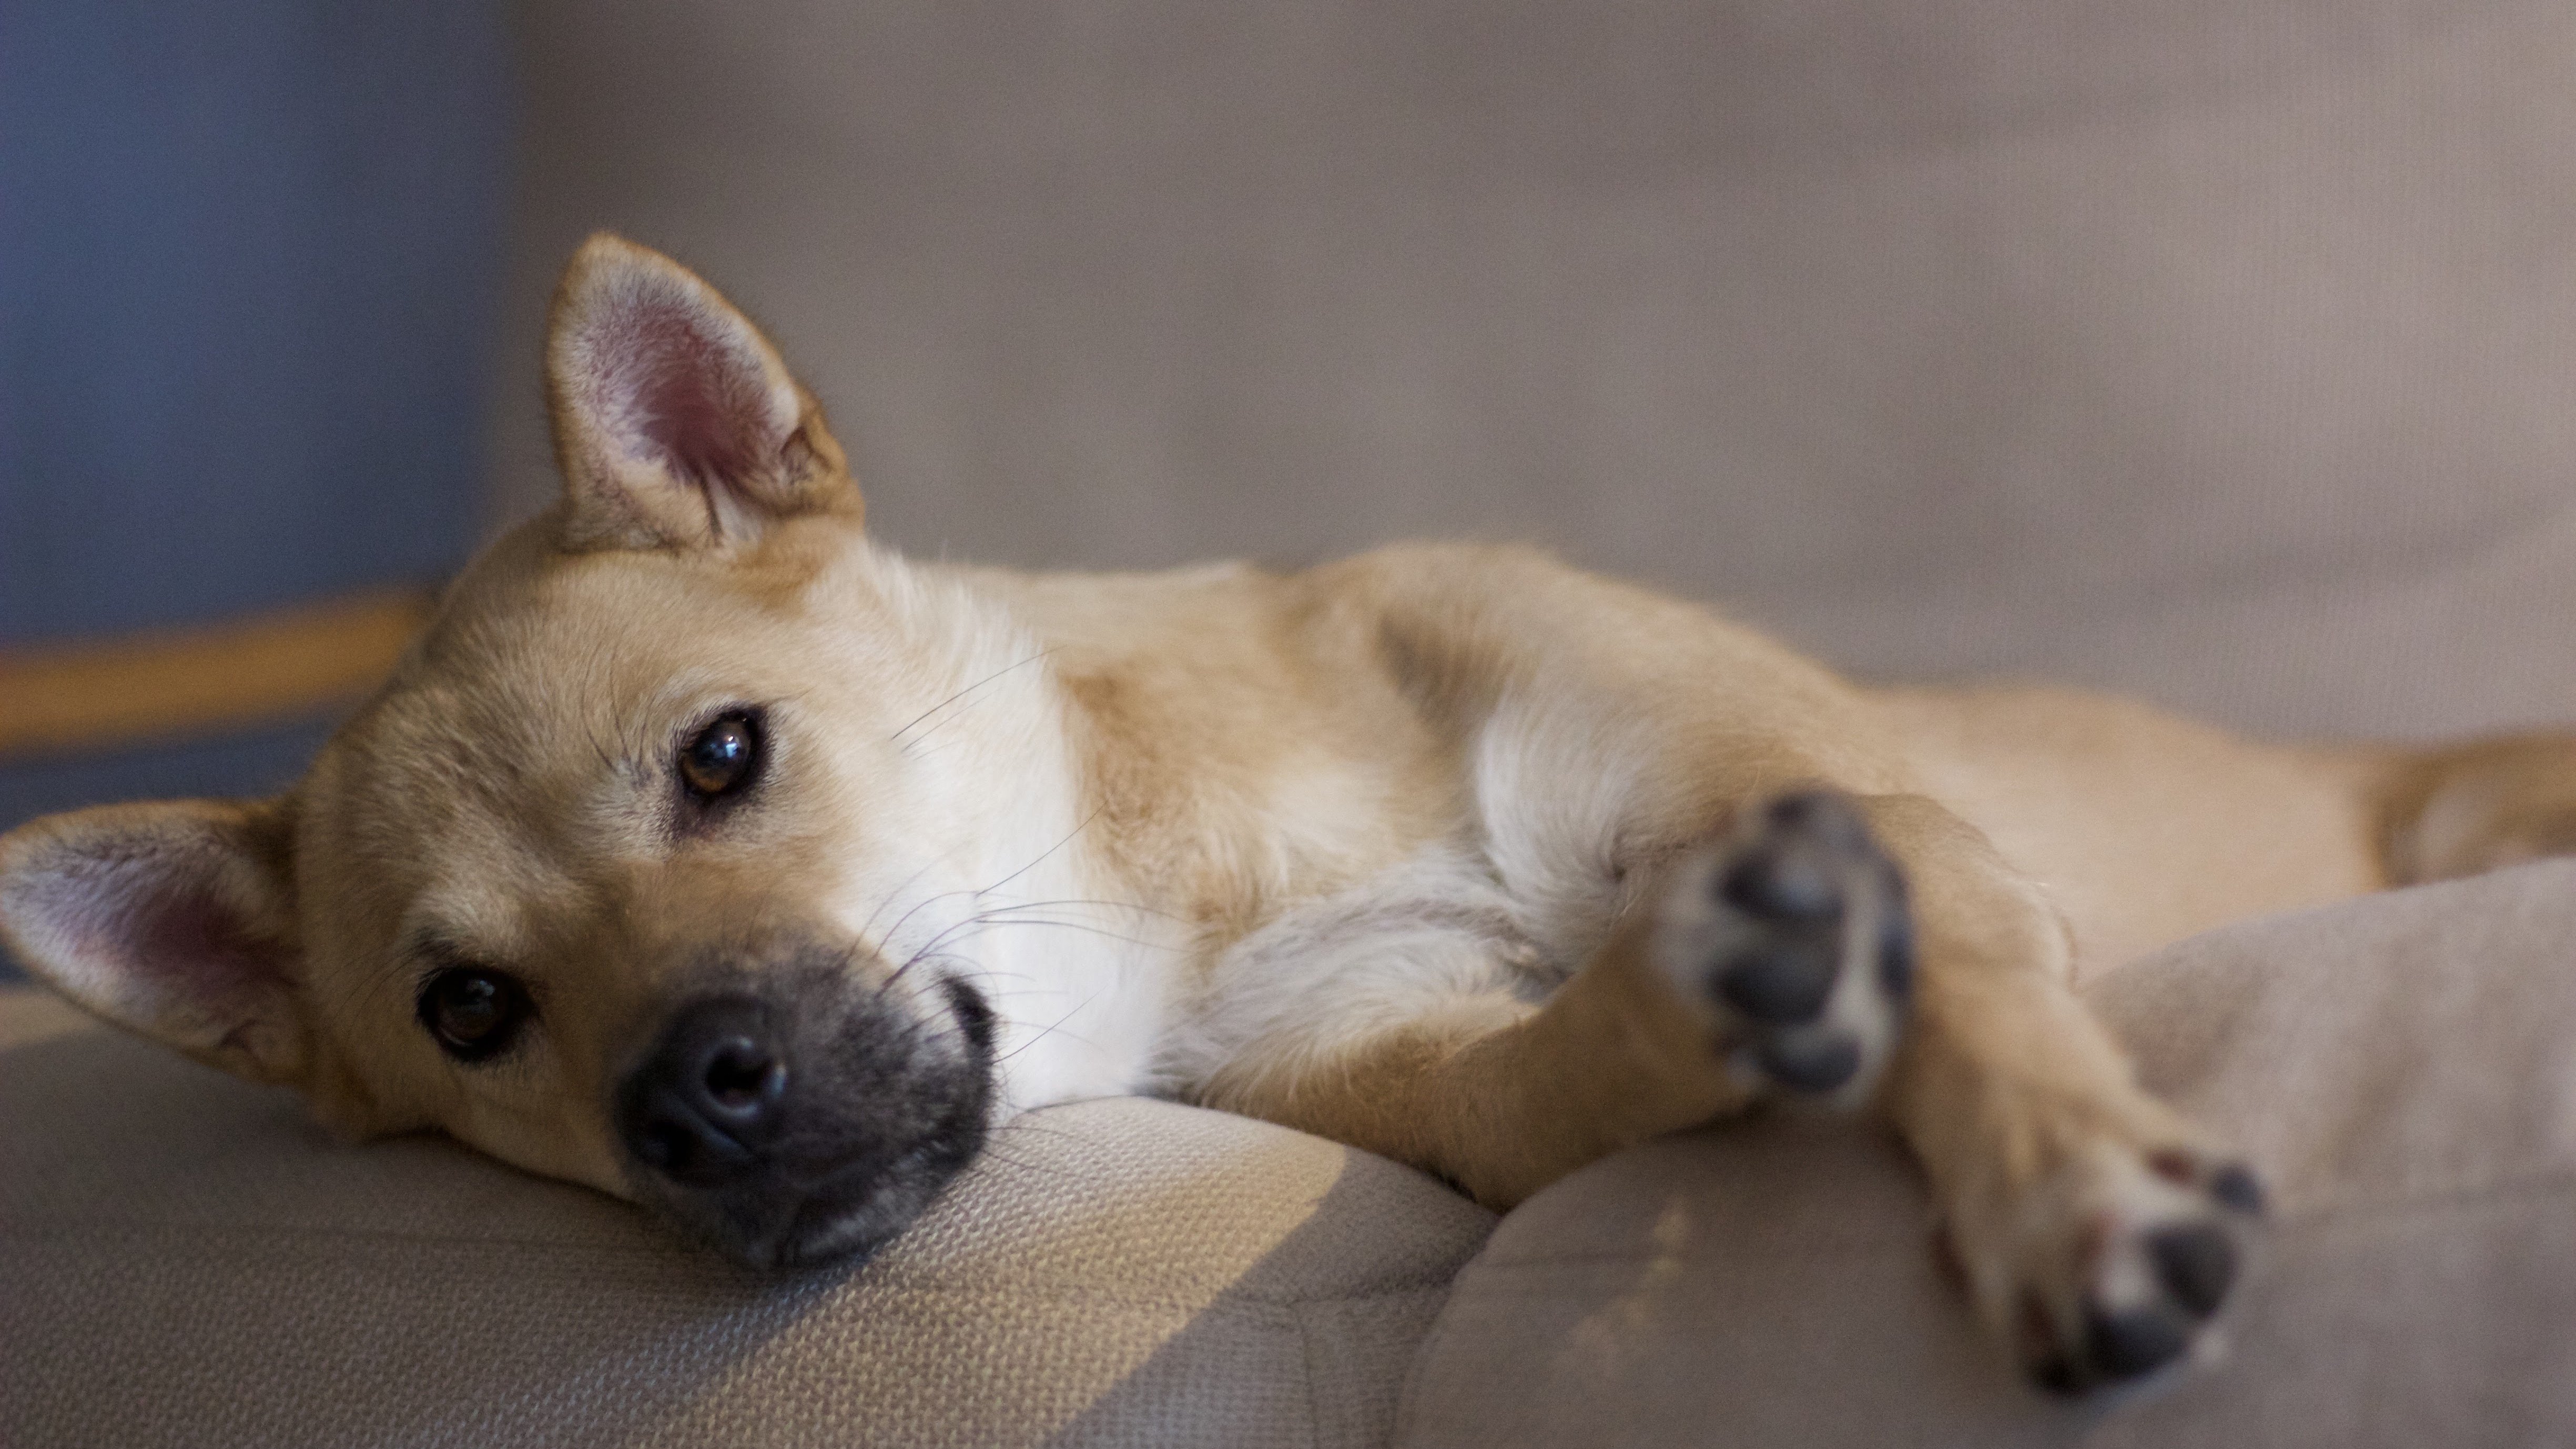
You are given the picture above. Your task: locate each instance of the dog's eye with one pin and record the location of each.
(723, 757)
(474, 1013)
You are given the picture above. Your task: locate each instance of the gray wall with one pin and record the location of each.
(2216, 350)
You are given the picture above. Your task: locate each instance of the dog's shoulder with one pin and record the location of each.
(1264, 734)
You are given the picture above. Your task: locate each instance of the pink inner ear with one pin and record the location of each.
(682, 390)
(174, 937)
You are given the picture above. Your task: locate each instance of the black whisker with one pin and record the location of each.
(969, 689)
(1137, 906)
(996, 918)
(891, 896)
(1043, 854)
(917, 907)
(1050, 1031)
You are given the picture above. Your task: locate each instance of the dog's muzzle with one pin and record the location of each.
(798, 1115)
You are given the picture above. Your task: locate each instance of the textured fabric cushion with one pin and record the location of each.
(184, 1262)
(2404, 1069)
(2214, 349)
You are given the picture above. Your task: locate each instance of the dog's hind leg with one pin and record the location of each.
(2453, 812)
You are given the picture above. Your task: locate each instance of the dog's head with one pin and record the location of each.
(599, 881)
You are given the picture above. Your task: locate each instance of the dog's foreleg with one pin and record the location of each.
(1398, 1018)
(1498, 1098)
(1774, 962)
(2095, 1227)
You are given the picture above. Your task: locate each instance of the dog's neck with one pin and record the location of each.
(1012, 886)
(1123, 774)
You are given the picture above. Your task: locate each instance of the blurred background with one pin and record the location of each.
(2215, 350)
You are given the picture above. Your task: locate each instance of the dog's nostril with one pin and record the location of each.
(682, 1143)
(742, 1077)
(703, 1108)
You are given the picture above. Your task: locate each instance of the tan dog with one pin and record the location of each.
(706, 853)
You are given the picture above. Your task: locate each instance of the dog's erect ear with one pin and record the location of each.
(676, 424)
(175, 919)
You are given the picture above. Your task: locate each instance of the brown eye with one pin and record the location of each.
(474, 1013)
(723, 757)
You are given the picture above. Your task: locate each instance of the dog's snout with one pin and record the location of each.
(799, 1111)
(705, 1102)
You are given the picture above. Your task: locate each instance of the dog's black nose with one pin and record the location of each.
(706, 1102)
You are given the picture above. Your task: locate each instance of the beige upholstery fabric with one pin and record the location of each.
(2215, 349)
(183, 1262)
(2403, 1068)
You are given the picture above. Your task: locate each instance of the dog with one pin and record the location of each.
(706, 852)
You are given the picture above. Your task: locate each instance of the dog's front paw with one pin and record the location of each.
(1795, 933)
(2114, 1265)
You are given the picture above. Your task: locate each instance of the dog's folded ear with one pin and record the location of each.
(175, 919)
(676, 423)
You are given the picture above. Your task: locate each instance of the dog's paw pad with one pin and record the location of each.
(2195, 1263)
(2234, 1185)
(2124, 1269)
(1797, 932)
(1810, 1061)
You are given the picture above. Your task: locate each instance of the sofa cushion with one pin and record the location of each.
(2403, 1068)
(184, 1261)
